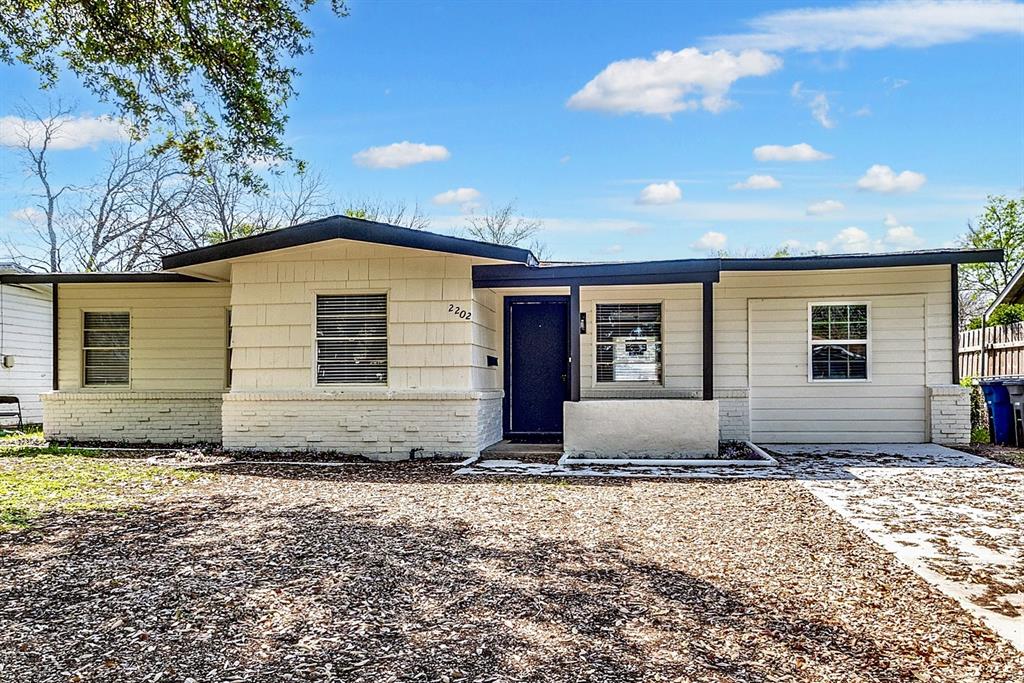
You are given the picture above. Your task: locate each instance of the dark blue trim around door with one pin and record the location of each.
(563, 349)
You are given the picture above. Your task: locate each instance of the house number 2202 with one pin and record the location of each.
(459, 311)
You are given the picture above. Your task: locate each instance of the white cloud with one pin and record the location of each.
(710, 241)
(399, 155)
(895, 83)
(70, 132)
(463, 196)
(824, 207)
(798, 152)
(28, 214)
(855, 240)
(611, 250)
(816, 101)
(880, 178)
(874, 25)
(819, 110)
(565, 159)
(758, 182)
(671, 82)
(863, 111)
(900, 236)
(660, 193)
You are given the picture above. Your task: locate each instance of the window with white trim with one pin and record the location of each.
(628, 343)
(352, 339)
(106, 338)
(838, 348)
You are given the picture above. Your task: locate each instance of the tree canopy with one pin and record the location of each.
(208, 76)
(1000, 226)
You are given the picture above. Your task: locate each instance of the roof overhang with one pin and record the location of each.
(343, 227)
(648, 273)
(709, 270)
(1011, 291)
(95, 278)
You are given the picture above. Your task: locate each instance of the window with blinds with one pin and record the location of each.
(838, 345)
(628, 338)
(105, 347)
(352, 339)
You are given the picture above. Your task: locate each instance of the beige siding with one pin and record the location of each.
(429, 347)
(910, 348)
(178, 333)
(25, 318)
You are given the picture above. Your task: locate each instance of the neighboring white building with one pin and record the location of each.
(349, 335)
(25, 343)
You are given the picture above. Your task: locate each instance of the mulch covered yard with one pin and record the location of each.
(407, 573)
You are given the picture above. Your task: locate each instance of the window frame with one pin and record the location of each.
(82, 348)
(634, 384)
(812, 342)
(363, 386)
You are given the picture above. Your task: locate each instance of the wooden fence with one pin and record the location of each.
(993, 351)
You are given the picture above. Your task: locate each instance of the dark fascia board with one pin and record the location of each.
(932, 257)
(641, 273)
(343, 227)
(96, 278)
(708, 270)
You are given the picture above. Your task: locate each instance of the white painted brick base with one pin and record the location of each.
(949, 414)
(393, 425)
(733, 414)
(133, 417)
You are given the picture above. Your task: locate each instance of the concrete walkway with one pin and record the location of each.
(955, 519)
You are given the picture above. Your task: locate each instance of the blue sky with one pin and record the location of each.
(563, 107)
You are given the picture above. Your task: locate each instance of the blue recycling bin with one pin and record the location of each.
(1000, 412)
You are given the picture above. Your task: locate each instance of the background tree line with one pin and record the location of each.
(146, 202)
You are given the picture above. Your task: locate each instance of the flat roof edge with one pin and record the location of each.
(347, 228)
(98, 278)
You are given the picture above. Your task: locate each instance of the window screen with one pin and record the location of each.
(839, 341)
(105, 342)
(352, 339)
(628, 343)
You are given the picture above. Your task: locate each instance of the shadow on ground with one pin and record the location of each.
(219, 587)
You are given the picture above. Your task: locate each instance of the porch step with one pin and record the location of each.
(523, 452)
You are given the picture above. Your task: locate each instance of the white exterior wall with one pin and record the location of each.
(441, 397)
(178, 365)
(761, 352)
(26, 324)
(910, 349)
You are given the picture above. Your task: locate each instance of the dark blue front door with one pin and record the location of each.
(536, 365)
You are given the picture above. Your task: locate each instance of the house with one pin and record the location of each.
(25, 353)
(344, 334)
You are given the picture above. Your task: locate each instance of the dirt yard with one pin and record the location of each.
(408, 573)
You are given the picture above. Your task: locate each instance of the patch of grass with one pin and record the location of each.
(44, 482)
(980, 435)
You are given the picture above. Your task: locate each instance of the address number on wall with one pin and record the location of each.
(460, 311)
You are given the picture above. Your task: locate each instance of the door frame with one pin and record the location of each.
(506, 400)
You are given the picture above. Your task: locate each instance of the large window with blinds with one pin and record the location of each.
(628, 339)
(106, 339)
(352, 339)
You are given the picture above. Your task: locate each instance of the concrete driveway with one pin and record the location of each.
(954, 518)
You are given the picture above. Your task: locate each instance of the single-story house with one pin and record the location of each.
(349, 335)
(25, 353)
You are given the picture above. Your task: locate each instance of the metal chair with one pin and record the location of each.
(11, 412)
